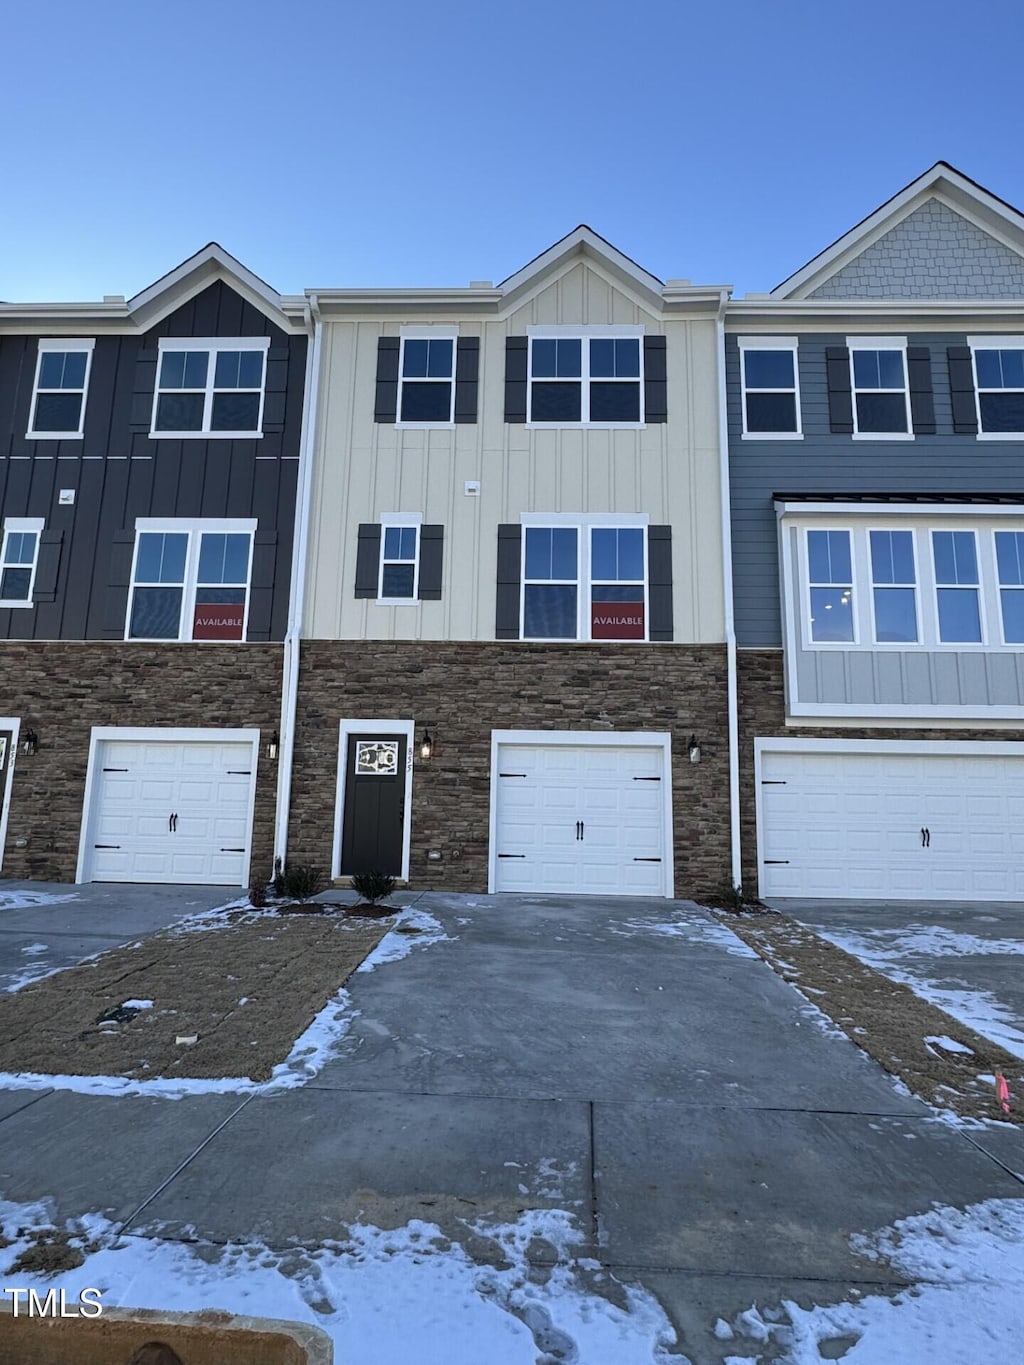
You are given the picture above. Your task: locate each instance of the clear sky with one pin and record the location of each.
(411, 143)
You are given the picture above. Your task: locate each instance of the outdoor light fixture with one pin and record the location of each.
(30, 744)
(275, 740)
(694, 749)
(426, 745)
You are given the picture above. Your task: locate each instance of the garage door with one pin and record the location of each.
(905, 826)
(580, 819)
(170, 812)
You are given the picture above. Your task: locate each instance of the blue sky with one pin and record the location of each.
(352, 144)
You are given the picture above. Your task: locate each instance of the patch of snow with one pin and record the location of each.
(394, 946)
(136, 1004)
(27, 900)
(693, 927)
(36, 948)
(946, 1044)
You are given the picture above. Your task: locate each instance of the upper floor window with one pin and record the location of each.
(830, 580)
(19, 553)
(210, 387)
(426, 384)
(771, 386)
(999, 386)
(190, 580)
(1010, 565)
(584, 582)
(62, 382)
(881, 400)
(399, 564)
(893, 586)
(586, 379)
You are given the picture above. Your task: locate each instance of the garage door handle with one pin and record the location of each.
(106, 845)
(926, 837)
(579, 830)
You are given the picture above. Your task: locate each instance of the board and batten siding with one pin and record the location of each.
(364, 469)
(829, 463)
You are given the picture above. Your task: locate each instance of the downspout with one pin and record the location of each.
(730, 624)
(297, 591)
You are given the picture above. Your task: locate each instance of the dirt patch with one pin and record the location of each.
(50, 1253)
(887, 1019)
(243, 990)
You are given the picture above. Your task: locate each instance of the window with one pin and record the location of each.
(550, 582)
(58, 398)
(830, 580)
(955, 554)
(617, 583)
(399, 564)
(210, 388)
(999, 384)
(771, 389)
(881, 403)
(585, 582)
(586, 380)
(893, 586)
(427, 379)
(19, 552)
(190, 581)
(1010, 566)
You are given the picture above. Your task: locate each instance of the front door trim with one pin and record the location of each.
(350, 727)
(12, 724)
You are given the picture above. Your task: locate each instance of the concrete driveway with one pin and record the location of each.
(629, 1061)
(967, 958)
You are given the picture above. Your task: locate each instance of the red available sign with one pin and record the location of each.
(218, 621)
(616, 620)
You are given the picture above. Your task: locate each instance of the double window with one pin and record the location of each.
(19, 554)
(61, 386)
(210, 387)
(881, 398)
(190, 580)
(426, 378)
(584, 582)
(770, 385)
(999, 385)
(589, 379)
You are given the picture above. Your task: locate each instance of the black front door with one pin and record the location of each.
(374, 805)
(6, 739)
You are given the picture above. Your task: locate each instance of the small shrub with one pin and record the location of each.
(373, 886)
(258, 895)
(300, 881)
(737, 902)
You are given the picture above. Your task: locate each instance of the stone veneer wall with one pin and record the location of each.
(762, 713)
(463, 691)
(61, 690)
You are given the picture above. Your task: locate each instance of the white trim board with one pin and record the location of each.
(349, 727)
(12, 723)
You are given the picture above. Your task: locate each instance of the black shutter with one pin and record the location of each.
(47, 566)
(118, 581)
(368, 560)
(517, 354)
(510, 552)
(385, 408)
(840, 398)
(261, 585)
(655, 380)
(961, 390)
(467, 379)
(659, 582)
(431, 560)
(922, 404)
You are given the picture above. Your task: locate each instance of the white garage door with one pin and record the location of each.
(170, 812)
(905, 826)
(580, 819)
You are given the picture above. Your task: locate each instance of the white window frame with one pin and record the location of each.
(916, 586)
(805, 569)
(583, 525)
(585, 334)
(17, 526)
(405, 521)
(984, 343)
(212, 345)
(884, 343)
(772, 343)
(427, 334)
(1002, 587)
(195, 529)
(978, 588)
(47, 346)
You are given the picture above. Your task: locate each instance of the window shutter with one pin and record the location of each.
(368, 560)
(922, 404)
(517, 354)
(510, 562)
(840, 397)
(431, 563)
(385, 407)
(961, 389)
(659, 582)
(655, 379)
(467, 379)
(47, 566)
(118, 581)
(261, 585)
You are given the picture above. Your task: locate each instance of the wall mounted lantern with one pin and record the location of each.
(272, 745)
(426, 745)
(693, 748)
(30, 744)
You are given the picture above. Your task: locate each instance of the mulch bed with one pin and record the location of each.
(886, 1019)
(284, 968)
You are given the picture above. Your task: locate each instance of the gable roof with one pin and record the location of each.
(942, 183)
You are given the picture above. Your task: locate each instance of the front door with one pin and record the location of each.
(374, 805)
(6, 754)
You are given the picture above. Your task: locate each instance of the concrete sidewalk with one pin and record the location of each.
(629, 1061)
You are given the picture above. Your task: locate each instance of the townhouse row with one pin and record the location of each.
(584, 582)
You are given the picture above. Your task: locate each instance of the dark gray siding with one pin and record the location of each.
(119, 472)
(826, 463)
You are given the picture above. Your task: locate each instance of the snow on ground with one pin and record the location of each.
(26, 900)
(391, 1297)
(692, 926)
(394, 946)
(888, 950)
